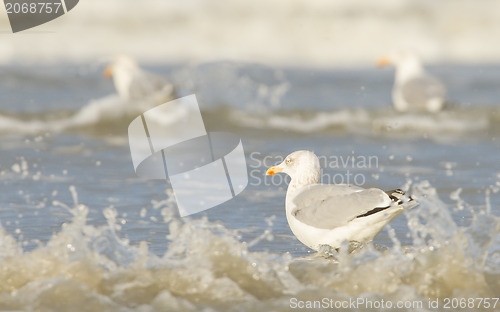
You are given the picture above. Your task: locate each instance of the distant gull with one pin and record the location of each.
(132, 82)
(330, 214)
(414, 89)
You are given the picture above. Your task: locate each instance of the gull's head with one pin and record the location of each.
(124, 70)
(302, 166)
(407, 64)
(120, 64)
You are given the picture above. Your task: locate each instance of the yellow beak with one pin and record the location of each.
(108, 72)
(273, 170)
(384, 61)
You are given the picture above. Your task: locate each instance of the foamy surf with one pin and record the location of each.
(207, 266)
(104, 112)
(379, 122)
(111, 114)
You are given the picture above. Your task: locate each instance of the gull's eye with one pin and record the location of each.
(288, 161)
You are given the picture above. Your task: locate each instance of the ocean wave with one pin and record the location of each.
(378, 122)
(112, 114)
(207, 266)
(99, 116)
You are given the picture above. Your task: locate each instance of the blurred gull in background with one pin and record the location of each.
(414, 89)
(133, 83)
(138, 91)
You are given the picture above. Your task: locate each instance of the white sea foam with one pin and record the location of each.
(102, 112)
(207, 266)
(379, 122)
(99, 116)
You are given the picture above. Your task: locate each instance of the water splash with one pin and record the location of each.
(207, 267)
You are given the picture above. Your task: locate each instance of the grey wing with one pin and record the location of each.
(419, 90)
(328, 206)
(145, 83)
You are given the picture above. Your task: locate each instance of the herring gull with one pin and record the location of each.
(414, 89)
(134, 83)
(330, 214)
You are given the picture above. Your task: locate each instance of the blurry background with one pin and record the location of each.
(300, 33)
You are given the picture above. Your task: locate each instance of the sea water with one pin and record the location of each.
(79, 231)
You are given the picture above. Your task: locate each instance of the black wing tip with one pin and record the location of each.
(396, 196)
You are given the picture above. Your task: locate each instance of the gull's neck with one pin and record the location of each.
(408, 69)
(306, 177)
